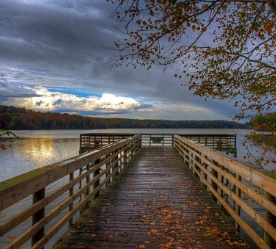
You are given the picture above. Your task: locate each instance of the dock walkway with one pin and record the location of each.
(155, 203)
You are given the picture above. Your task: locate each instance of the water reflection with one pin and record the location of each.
(25, 154)
(28, 153)
(35, 149)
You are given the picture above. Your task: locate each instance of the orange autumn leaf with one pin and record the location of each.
(2, 147)
(11, 237)
(220, 68)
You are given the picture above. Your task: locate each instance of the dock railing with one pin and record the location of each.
(231, 184)
(80, 180)
(222, 142)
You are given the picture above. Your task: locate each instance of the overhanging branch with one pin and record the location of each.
(272, 5)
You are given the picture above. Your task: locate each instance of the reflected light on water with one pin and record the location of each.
(39, 150)
(25, 154)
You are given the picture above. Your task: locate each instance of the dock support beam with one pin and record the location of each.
(39, 195)
(270, 218)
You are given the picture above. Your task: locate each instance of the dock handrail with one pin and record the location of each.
(229, 181)
(230, 184)
(222, 142)
(87, 174)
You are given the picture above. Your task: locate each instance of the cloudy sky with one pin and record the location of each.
(55, 56)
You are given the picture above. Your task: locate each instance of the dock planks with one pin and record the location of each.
(155, 203)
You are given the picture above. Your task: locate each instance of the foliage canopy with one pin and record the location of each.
(225, 49)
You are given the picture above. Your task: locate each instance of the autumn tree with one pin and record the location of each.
(226, 49)
(264, 122)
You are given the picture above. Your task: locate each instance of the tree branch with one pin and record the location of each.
(272, 5)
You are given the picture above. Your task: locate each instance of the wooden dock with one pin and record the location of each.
(156, 202)
(142, 191)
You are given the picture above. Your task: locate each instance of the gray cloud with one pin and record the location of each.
(10, 91)
(63, 44)
(58, 102)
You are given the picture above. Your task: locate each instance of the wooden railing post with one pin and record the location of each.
(205, 175)
(197, 160)
(97, 183)
(71, 192)
(221, 191)
(39, 195)
(191, 161)
(126, 151)
(173, 145)
(117, 158)
(88, 189)
(187, 160)
(237, 207)
(271, 219)
(213, 184)
(107, 172)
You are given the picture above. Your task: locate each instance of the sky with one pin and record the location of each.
(57, 56)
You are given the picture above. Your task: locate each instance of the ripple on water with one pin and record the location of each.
(25, 154)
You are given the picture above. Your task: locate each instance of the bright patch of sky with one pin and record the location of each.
(45, 100)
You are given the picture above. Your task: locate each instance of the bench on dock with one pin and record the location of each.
(129, 195)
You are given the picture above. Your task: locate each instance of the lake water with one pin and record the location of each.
(35, 149)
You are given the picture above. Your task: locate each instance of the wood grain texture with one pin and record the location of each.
(156, 203)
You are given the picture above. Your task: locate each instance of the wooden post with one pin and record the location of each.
(97, 183)
(271, 219)
(39, 195)
(117, 164)
(213, 184)
(205, 166)
(191, 162)
(219, 145)
(71, 192)
(222, 183)
(108, 171)
(88, 189)
(126, 151)
(173, 141)
(197, 160)
(187, 159)
(237, 207)
(235, 152)
(120, 162)
(81, 140)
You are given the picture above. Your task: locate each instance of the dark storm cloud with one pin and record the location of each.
(65, 44)
(51, 33)
(58, 102)
(8, 91)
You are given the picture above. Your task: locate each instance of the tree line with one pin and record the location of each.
(17, 118)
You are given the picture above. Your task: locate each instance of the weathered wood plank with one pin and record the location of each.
(257, 178)
(156, 203)
(19, 187)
